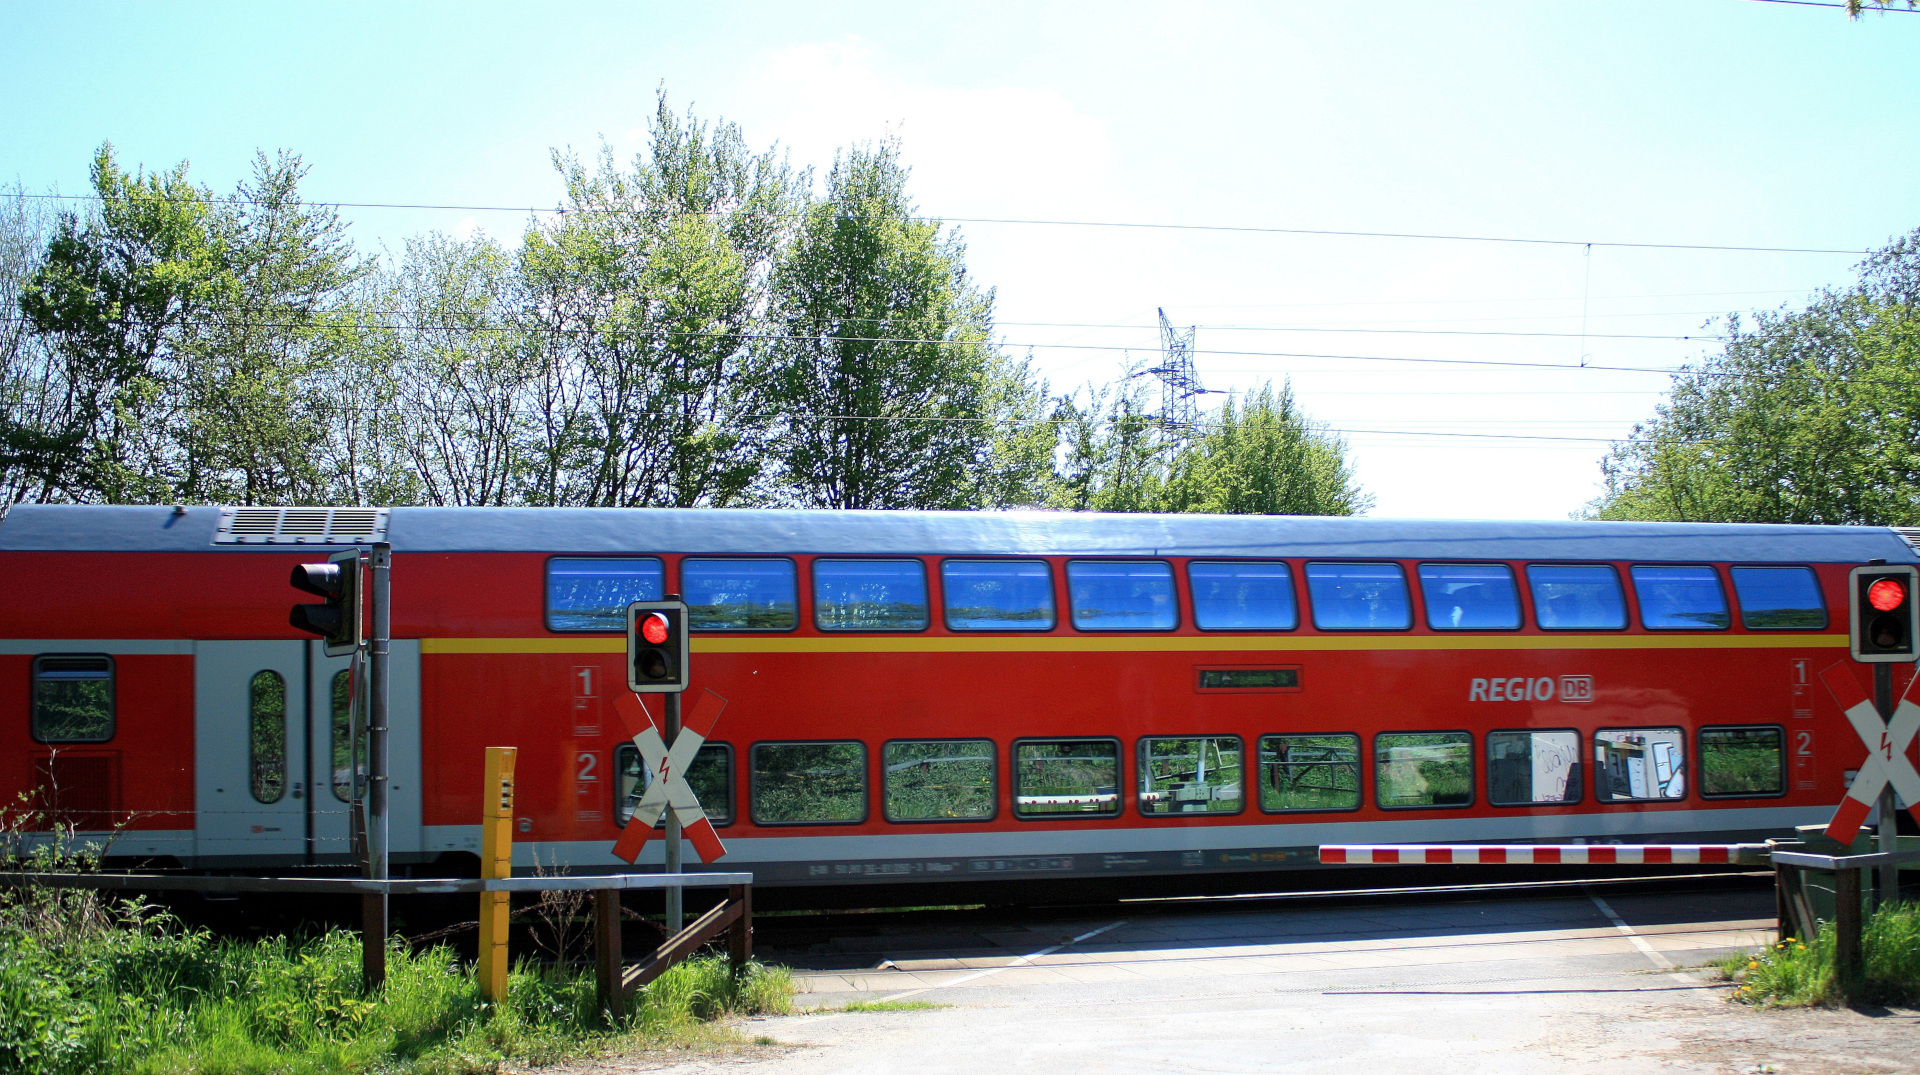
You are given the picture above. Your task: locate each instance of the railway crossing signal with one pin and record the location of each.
(1886, 743)
(657, 647)
(667, 771)
(1885, 618)
(339, 620)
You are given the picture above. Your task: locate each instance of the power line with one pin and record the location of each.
(1122, 224)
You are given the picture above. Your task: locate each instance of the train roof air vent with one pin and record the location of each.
(301, 526)
(1910, 535)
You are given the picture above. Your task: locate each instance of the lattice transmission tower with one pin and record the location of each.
(1179, 384)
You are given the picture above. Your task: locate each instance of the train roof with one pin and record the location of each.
(603, 531)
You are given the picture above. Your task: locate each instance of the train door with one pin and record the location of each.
(331, 747)
(251, 791)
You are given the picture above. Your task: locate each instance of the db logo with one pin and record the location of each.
(1576, 688)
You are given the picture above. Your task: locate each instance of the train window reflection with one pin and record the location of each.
(1359, 597)
(1680, 598)
(1064, 777)
(710, 776)
(1639, 764)
(1190, 776)
(1470, 597)
(870, 595)
(1309, 772)
(740, 595)
(1779, 598)
(1577, 597)
(1524, 768)
(267, 736)
(1121, 595)
(1242, 596)
(998, 595)
(809, 783)
(1742, 762)
(592, 594)
(1423, 769)
(73, 699)
(939, 780)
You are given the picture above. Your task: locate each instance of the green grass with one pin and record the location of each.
(146, 996)
(892, 1006)
(1801, 974)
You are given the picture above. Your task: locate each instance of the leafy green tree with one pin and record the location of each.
(1113, 450)
(30, 372)
(1809, 416)
(1259, 455)
(881, 365)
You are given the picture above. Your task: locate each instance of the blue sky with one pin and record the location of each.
(1667, 121)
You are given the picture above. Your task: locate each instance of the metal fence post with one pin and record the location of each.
(607, 958)
(1848, 966)
(740, 941)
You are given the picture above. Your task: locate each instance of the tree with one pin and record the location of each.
(881, 358)
(1808, 416)
(1113, 451)
(1259, 455)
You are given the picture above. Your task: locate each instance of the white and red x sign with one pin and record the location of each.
(1886, 751)
(667, 771)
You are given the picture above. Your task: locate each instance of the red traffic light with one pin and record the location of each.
(655, 629)
(1885, 595)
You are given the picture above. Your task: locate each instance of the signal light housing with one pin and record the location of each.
(657, 647)
(340, 618)
(1885, 617)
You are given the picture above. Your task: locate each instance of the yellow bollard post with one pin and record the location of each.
(496, 861)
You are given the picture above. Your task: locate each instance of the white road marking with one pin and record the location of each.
(1639, 942)
(1019, 961)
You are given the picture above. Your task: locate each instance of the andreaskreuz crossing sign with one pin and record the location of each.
(667, 787)
(1886, 751)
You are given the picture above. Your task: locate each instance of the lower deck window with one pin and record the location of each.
(1525, 768)
(267, 736)
(73, 699)
(710, 776)
(1190, 776)
(809, 783)
(1066, 777)
(940, 780)
(1742, 762)
(347, 742)
(1309, 772)
(1412, 769)
(1639, 764)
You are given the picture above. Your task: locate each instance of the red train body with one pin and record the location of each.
(1056, 751)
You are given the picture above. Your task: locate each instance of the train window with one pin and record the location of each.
(1412, 769)
(940, 780)
(1309, 772)
(1121, 595)
(1644, 764)
(1066, 777)
(1577, 597)
(1191, 776)
(592, 594)
(1359, 597)
(1685, 598)
(1526, 767)
(349, 750)
(710, 776)
(1743, 763)
(740, 595)
(1470, 597)
(1253, 595)
(1779, 599)
(73, 699)
(998, 595)
(267, 736)
(809, 783)
(870, 595)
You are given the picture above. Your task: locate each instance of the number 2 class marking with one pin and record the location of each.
(588, 763)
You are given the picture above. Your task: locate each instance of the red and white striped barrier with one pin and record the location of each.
(1543, 854)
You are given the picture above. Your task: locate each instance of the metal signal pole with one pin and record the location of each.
(1889, 816)
(673, 824)
(379, 648)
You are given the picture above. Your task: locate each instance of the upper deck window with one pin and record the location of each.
(73, 699)
(1250, 595)
(740, 595)
(870, 595)
(998, 595)
(1687, 598)
(1779, 599)
(1470, 597)
(592, 594)
(1121, 595)
(1577, 597)
(1359, 597)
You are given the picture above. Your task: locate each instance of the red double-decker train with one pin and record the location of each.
(938, 696)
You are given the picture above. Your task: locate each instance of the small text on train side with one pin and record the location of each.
(1530, 689)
